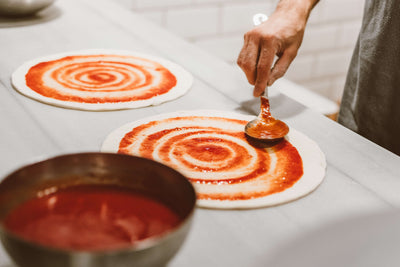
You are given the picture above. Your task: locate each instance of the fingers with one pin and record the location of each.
(248, 57)
(282, 65)
(256, 58)
(262, 44)
(263, 70)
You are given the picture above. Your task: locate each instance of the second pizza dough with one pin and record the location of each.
(210, 148)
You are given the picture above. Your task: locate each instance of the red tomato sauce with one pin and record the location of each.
(87, 82)
(226, 151)
(289, 169)
(90, 217)
(267, 127)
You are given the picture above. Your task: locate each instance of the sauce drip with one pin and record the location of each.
(267, 127)
(90, 217)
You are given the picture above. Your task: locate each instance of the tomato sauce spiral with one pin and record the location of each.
(215, 155)
(100, 78)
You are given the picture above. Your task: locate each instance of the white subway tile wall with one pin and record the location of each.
(193, 22)
(237, 17)
(218, 27)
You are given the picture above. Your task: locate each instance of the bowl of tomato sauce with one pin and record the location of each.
(95, 209)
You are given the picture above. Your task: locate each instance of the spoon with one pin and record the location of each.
(266, 128)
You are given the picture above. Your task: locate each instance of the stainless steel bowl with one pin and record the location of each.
(22, 7)
(143, 175)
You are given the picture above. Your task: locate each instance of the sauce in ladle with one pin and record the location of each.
(266, 127)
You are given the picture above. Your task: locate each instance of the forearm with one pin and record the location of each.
(299, 9)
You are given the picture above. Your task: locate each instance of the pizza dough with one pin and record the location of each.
(210, 148)
(101, 80)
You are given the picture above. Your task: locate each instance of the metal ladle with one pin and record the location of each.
(265, 128)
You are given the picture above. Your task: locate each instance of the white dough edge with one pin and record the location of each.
(183, 77)
(314, 161)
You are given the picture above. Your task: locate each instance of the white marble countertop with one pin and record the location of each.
(361, 176)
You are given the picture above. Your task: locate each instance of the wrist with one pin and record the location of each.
(297, 9)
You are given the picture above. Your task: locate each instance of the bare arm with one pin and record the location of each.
(280, 35)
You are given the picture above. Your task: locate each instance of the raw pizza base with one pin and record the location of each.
(184, 82)
(314, 163)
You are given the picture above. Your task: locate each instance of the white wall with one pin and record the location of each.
(218, 26)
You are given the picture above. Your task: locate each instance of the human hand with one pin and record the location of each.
(281, 35)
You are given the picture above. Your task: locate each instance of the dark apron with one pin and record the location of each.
(371, 99)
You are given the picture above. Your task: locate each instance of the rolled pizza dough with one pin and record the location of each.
(210, 148)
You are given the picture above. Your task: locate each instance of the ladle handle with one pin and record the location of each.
(265, 94)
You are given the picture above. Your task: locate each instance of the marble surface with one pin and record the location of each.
(361, 178)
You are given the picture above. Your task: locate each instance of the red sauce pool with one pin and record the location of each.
(90, 217)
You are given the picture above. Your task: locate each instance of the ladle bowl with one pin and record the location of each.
(265, 128)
